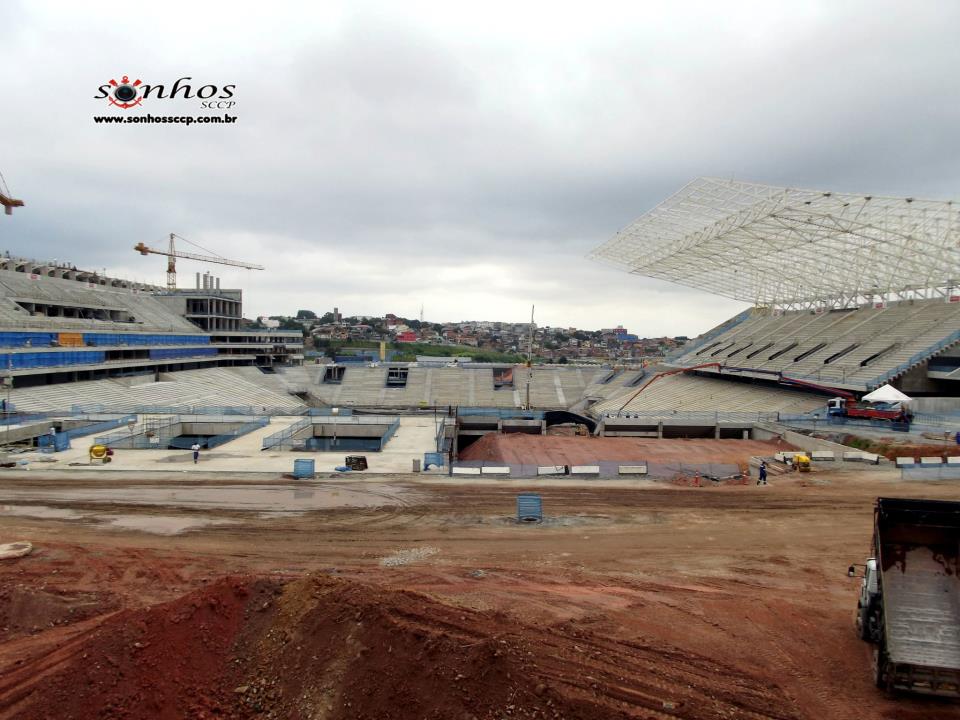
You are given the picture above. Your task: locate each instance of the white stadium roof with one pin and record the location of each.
(793, 248)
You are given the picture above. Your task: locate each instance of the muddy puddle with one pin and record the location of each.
(154, 524)
(41, 511)
(162, 524)
(261, 499)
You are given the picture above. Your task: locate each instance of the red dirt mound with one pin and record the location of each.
(341, 649)
(518, 448)
(25, 610)
(168, 661)
(325, 647)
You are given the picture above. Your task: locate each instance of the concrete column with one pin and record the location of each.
(716, 432)
(660, 430)
(746, 434)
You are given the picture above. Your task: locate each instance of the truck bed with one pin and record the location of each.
(922, 599)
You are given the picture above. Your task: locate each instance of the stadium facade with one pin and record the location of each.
(62, 324)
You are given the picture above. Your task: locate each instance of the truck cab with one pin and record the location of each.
(836, 406)
(867, 625)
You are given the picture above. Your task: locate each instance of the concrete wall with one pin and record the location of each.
(25, 432)
(208, 428)
(771, 431)
(347, 430)
(935, 405)
(916, 380)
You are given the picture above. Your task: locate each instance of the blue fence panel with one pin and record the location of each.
(23, 339)
(113, 339)
(394, 426)
(502, 413)
(432, 458)
(54, 443)
(100, 426)
(173, 353)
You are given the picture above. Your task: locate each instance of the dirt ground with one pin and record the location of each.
(520, 448)
(632, 600)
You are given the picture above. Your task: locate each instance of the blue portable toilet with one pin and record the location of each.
(529, 508)
(303, 468)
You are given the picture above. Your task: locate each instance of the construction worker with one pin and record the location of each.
(762, 480)
(196, 452)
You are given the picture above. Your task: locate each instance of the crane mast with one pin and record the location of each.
(172, 254)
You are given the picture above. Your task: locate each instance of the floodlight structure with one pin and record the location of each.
(791, 249)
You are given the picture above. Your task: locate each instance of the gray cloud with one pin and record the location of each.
(468, 162)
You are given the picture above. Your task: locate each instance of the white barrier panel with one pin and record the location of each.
(496, 471)
(584, 469)
(905, 461)
(870, 458)
(931, 461)
(953, 461)
(551, 470)
(854, 456)
(822, 455)
(466, 471)
(633, 470)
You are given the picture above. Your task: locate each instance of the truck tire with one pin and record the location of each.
(879, 665)
(863, 624)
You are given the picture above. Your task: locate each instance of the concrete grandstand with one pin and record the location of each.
(849, 291)
(59, 324)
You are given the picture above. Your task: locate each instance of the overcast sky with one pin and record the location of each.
(462, 157)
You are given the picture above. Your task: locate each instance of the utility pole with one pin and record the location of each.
(530, 357)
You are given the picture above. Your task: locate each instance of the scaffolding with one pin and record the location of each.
(794, 249)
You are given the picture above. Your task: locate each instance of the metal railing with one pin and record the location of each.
(259, 410)
(15, 418)
(101, 426)
(502, 413)
(708, 336)
(914, 359)
(391, 430)
(152, 432)
(693, 416)
(217, 440)
(280, 438)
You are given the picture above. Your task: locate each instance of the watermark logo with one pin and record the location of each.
(124, 94)
(207, 99)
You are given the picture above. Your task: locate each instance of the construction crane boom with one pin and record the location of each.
(9, 203)
(6, 199)
(172, 254)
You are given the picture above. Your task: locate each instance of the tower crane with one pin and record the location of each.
(6, 199)
(172, 254)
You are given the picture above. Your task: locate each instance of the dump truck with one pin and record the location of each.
(909, 604)
(848, 408)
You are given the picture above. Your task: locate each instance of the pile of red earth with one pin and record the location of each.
(326, 647)
(522, 449)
